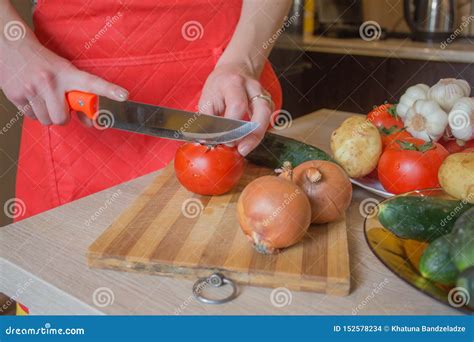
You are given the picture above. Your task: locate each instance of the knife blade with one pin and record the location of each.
(159, 121)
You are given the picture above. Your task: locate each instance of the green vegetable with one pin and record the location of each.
(436, 263)
(465, 286)
(462, 249)
(409, 146)
(276, 149)
(420, 218)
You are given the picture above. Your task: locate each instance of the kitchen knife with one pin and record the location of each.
(158, 121)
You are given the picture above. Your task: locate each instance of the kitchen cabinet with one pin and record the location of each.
(312, 80)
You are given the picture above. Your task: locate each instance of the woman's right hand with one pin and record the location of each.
(35, 79)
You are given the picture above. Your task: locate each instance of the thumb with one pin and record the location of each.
(86, 82)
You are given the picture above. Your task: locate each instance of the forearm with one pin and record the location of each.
(14, 30)
(252, 40)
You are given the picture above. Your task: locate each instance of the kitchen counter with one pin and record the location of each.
(459, 51)
(43, 262)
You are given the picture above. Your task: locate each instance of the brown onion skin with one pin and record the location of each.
(268, 218)
(330, 196)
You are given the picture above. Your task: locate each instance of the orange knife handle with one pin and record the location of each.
(83, 102)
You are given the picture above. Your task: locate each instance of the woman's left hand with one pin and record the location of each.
(228, 91)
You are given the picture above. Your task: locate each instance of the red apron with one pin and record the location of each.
(160, 51)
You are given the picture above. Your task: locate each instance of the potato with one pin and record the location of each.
(357, 146)
(456, 175)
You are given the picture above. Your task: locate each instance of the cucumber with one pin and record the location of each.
(276, 149)
(420, 218)
(462, 249)
(436, 263)
(465, 284)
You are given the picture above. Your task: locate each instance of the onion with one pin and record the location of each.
(273, 213)
(328, 188)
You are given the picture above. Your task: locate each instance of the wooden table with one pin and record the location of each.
(43, 264)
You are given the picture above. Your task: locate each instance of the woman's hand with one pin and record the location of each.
(234, 82)
(36, 80)
(228, 91)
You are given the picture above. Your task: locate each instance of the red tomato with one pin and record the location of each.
(208, 170)
(372, 175)
(455, 146)
(411, 165)
(392, 134)
(384, 115)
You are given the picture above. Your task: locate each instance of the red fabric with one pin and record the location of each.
(141, 46)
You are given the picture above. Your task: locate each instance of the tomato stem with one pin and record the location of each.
(394, 129)
(392, 111)
(409, 146)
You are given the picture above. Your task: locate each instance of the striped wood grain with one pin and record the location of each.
(154, 236)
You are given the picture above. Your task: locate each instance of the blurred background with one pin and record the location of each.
(323, 61)
(9, 142)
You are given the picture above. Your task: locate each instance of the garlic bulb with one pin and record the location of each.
(413, 93)
(461, 119)
(426, 120)
(447, 91)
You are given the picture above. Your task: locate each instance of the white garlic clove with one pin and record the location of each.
(461, 119)
(419, 91)
(447, 91)
(426, 120)
(402, 110)
(413, 93)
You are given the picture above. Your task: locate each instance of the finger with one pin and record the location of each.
(210, 106)
(24, 107)
(56, 105)
(84, 119)
(20, 100)
(236, 101)
(261, 113)
(93, 84)
(247, 144)
(40, 109)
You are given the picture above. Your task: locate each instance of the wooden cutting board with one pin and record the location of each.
(170, 231)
